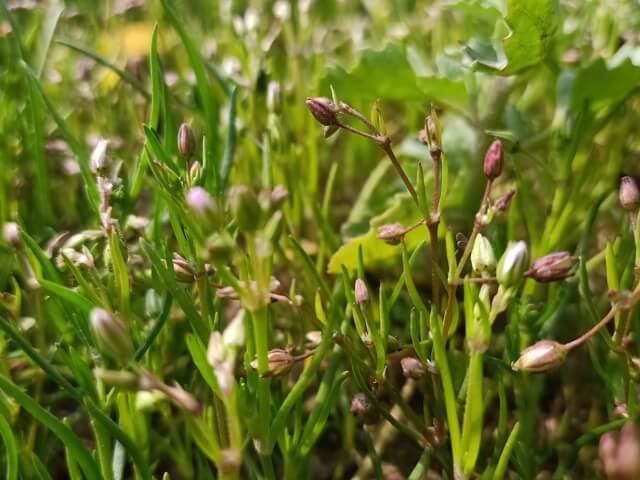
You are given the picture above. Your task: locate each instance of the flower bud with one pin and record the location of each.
(362, 409)
(186, 141)
(118, 378)
(323, 110)
(391, 233)
(11, 234)
(493, 160)
(182, 399)
(552, 267)
(278, 196)
(98, 159)
(483, 259)
(433, 137)
(194, 172)
(205, 208)
(280, 361)
(629, 194)
(621, 459)
(412, 368)
(183, 269)
(245, 208)
(502, 204)
(513, 264)
(112, 336)
(361, 292)
(541, 356)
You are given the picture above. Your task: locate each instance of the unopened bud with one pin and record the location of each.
(186, 141)
(361, 292)
(502, 204)
(629, 194)
(412, 368)
(541, 356)
(182, 399)
(513, 264)
(621, 459)
(183, 269)
(552, 267)
(278, 196)
(314, 337)
(112, 336)
(280, 361)
(99, 157)
(118, 378)
(391, 233)
(205, 208)
(483, 259)
(11, 234)
(245, 208)
(433, 137)
(362, 409)
(493, 160)
(323, 110)
(194, 172)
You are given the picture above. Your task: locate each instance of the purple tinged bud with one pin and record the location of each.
(412, 368)
(199, 200)
(391, 233)
(502, 204)
(361, 292)
(362, 409)
(280, 361)
(621, 458)
(186, 141)
(323, 110)
(493, 160)
(541, 356)
(112, 336)
(552, 267)
(629, 195)
(183, 270)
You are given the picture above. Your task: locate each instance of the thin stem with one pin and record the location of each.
(344, 108)
(453, 286)
(357, 131)
(385, 144)
(595, 329)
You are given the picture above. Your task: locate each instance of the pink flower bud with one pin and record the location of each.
(412, 368)
(493, 160)
(391, 233)
(629, 195)
(541, 356)
(186, 141)
(112, 336)
(323, 110)
(552, 267)
(361, 292)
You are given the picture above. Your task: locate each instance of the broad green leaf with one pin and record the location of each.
(531, 24)
(392, 74)
(376, 252)
(588, 86)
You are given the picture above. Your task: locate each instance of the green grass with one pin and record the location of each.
(231, 267)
